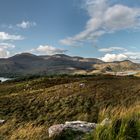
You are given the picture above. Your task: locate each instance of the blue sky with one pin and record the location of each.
(105, 29)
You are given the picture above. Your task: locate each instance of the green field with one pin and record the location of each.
(31, 105)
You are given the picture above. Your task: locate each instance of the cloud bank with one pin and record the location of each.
(129, 55)
(49, 50)
(6, 36)
(114, 57)
(111, 49)
(4, 52)
(105, 17)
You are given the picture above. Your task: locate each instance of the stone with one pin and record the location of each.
(80, 126)
(55, 129)
(76, 126)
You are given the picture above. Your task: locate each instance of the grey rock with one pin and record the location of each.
(56, 129)
(76, 126)
(80, 126)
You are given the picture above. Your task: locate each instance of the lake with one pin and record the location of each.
(2, 79)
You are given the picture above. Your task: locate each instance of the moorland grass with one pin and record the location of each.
(31, 106)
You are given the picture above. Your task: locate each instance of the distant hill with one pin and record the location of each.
(118, 66)
(26, 63)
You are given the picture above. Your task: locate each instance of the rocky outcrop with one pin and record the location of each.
(76, 126)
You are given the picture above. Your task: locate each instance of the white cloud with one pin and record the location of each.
(6, 45)
(4, 53)
(111, 49)
(120, 17)
(49, 50)
(105, 18)
(134, 56)
(114, 57)
(26, 24)
(6, 36)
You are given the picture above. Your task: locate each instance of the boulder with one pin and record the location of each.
(77, 126)
(56, 129)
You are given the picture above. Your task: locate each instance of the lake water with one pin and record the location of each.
(2, 79)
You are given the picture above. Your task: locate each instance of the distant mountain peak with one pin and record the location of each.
(25, 54)
(24, 57)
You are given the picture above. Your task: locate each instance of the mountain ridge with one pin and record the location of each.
(27, 63)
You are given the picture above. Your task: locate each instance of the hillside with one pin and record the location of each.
(25, 63)
(29, 64)
(118, 66)
(31, 106)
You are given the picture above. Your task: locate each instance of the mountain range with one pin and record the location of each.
(26, 63)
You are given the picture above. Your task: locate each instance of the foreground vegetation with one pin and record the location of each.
(31, 105)
(125, 124)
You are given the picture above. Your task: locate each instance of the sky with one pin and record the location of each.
(104, 29)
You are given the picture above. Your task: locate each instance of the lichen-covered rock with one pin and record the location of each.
(77, 126)
(80, 126)
(56, 129)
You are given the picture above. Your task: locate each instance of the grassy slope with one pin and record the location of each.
(30, 107)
